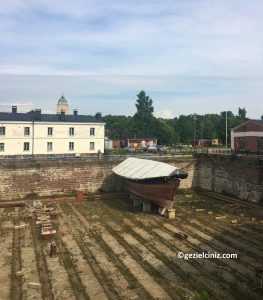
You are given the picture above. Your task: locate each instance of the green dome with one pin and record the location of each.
(62, 100)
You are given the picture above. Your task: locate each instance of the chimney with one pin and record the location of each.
(14, 109)
(75, 112)
(98, 115)
(37, 114)
(62, 115)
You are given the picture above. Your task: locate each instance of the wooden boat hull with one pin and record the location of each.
(161, 194)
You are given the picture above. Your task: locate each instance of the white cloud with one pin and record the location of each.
(164, 114)
(190, 50)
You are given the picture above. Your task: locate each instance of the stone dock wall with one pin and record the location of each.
(23, 179)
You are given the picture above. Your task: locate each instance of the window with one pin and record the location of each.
(242, 144)
(71, 146)
(71, 131)
(49, 146)
(91, 145)
(2, 147)
(50, 131)
(26, 146)
(26, 130)
(2, 130)
(92, 131)
(260, 144)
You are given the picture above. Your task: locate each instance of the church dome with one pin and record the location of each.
(62, 100)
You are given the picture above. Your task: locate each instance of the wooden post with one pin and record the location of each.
(80, 196)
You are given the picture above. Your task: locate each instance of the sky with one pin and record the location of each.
(189, 56)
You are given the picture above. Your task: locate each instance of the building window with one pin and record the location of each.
(260, 144)
(26, 131)
(242, 144)
(71, 131)
(2, 130)
(91, 145)
(50, 131)
(26, 146)
(49, 146)
(71, 146)
(2, 147)
(92, 131)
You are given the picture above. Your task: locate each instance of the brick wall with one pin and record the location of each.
(241, 177)
(45, 178)
(251, 143)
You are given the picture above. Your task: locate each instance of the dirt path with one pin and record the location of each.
(16, 283)
(151, 223)
(193, 272)
(221, 247)
(192, 269)
(230, 231)
(6, 242)
(151, 286)
(206, 248)
(47, 289)
(111, 271)
(186, 206)
(59, 278)
(87, 276)
(254, 252)
(1, 211)
(29, 266)
(74, 279)
(155, 290)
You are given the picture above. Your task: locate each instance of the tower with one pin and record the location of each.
(62, 105)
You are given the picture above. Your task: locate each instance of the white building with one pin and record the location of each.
(35, 133)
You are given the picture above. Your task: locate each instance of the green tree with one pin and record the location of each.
(119, 127)
(164, 131)
(242, 113)
(144, 115)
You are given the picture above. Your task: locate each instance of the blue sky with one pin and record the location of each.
(202, 56)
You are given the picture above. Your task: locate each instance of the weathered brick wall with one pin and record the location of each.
(241, 176)
(251, 143)
(45, 178)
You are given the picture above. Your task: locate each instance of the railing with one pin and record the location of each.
(167, 154)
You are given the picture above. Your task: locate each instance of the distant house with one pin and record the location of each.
(141, 142)
(215, 142)
(35, 133)
(248, 136)
(202, 143)
(113, 144)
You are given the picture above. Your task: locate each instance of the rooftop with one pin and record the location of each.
(258, 121)
(38, 117)
(140, 169)
(62, 100)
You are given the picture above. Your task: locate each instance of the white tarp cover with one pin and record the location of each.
(135, 168)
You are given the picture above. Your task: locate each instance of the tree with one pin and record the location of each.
(164, 131)
(119, 127)
(144, 115)
(242, 113)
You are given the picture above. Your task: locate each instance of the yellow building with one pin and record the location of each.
(35, 133)
(215, 142)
